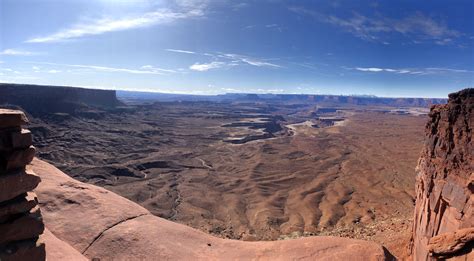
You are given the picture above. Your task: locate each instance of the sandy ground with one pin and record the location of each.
(354, 179)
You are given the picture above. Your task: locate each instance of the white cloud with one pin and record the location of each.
(15, 52)
(248, 60)
(54, 71)
(202, 67)
(179, 51)
(10, 70)
(414, 71)
(225, 60)
(417, 26)
(112, 69)
(372, 69)
(146, 69)
(156, 69)
(105, 25)
(448, 70)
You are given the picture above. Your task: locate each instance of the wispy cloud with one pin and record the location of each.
(16, 52)
(179, 51)
(146, 69)
(10, 70)
(225, 60)
(413, 71)
(417, 26)
(271, 25)
(37, 69)
(156, 69)
(202, 67)
(105, 25)
(239, 6)
(237, 58)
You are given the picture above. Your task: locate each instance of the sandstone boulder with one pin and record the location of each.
(21, 204)
(12, 118)
(21, 223)
(20, 158)
(448, 244)
(22, 139)
(31, 249)
(24, 226)
(16, 183)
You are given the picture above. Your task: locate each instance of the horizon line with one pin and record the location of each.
(226, 93)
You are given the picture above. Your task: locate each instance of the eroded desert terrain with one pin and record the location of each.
(250, 171)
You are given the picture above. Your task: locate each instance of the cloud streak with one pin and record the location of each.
(106, 25)
(413, 71)
(16, 52)
(237, 58)
(202, 67)
(179, 51)
(221, 60)
(146, 69)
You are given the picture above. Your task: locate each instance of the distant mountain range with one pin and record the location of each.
(41, 98)
(334, 100)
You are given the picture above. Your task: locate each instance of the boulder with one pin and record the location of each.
(12, 118)
(448, 244)
(16, 183)
(21, 204)
(20, 158)
(32, 249)
(24, 226)
(22, 139)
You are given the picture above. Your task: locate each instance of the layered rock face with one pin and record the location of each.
(38, 100)
(21, 223)
(443, 223)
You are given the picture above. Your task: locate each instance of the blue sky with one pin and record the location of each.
(386, 48)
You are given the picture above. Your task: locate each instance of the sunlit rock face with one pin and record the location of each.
(443, 219)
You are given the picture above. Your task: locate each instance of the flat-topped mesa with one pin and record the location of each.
(21, 222)
(443, 220)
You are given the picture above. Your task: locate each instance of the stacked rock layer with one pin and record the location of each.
(443, 222)
(21, 223)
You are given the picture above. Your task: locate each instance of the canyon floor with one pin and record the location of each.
(250, 171)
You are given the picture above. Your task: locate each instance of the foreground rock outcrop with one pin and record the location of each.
(443, 221)
(21, 223)
(100, 224)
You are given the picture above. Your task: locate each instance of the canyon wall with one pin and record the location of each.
(21, 223)
(38, 99)
(443, 225)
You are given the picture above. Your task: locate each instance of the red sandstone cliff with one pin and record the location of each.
(443, 221)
